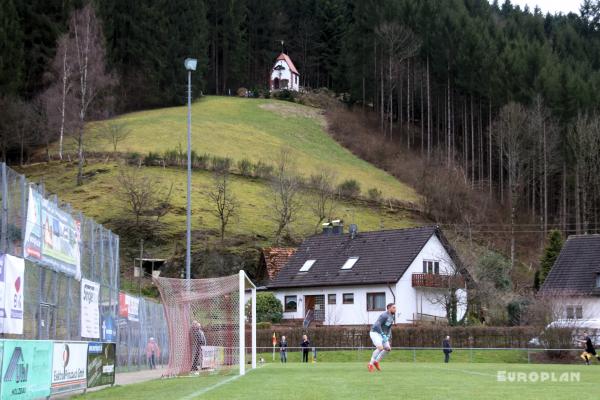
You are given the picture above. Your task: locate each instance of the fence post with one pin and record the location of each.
(414, 355)
(528, 356)
(4, 243)
(24, 200)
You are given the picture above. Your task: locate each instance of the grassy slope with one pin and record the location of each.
(254, 129)
(237, 128)
(97, 198)
(352, 381)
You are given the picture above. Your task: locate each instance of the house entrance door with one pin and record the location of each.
(315, 305)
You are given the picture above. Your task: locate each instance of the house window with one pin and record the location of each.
(376, 301)
(331, 299)
(291, 303)
(307, 265)
(348, 298)
(597, 280)
(574, 312)
(350, 263)
(431, 267)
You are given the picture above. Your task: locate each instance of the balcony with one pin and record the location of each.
(437, 281)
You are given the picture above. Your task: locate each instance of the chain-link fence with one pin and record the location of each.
(52, 298)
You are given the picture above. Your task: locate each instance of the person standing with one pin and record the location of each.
(447, 348)
(152, 353)
(305, 348)
(381, 335)
(198, 339)
(590, 350)
(283, 349)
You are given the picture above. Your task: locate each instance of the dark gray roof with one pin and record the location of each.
(384, 256)
(575, 269)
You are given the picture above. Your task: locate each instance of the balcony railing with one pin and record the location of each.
(437, 281)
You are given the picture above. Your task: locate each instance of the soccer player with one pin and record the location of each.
(381, 334)
(590, 351)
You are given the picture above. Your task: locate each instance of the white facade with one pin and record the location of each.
(411, 302)
(282, 77)
(576, 308)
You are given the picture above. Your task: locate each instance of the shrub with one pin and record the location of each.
(171, 157)
(263, 325)
(268, 308)
(134, 158)
(151, 159)
(262, 170)
(349, 188)
(286, 95)
(245, 167)
(375, 195)
(200, 161)
(220, 164)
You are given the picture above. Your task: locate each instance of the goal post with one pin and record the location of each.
(210, 322)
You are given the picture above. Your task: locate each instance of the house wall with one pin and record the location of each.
(424, 300)
(590, 307)
(285, 74)
(338, 314)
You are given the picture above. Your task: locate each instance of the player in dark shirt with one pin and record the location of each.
(590, 351)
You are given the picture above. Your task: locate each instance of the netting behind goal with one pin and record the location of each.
(206, 331)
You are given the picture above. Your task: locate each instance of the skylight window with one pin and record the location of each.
(350, 263)
(307, 265)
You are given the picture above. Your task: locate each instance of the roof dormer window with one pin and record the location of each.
(307, 265)
(350, 263)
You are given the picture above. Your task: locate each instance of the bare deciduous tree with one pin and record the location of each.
(515, 144)
(140, 193)
(285, 186)
(92, 80)
(114, 133)
(223, 200)
(399, 44)
(584, 141)
(323, 203)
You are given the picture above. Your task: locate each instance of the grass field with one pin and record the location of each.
(253, 129)
(349, 381)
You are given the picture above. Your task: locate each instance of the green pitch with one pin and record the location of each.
(348, 381)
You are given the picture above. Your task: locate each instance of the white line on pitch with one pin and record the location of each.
(463, 371)
(216, 385)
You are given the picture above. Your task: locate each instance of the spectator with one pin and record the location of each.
(283, 349)
(198, 339)
(447, 348)
(305, 348)
(152, 353)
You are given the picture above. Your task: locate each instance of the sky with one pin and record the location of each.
(552, 6)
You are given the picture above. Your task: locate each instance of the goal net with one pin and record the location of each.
(211, 322)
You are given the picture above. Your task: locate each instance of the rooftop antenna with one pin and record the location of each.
(282, 43)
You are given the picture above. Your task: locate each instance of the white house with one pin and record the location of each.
(573, 285)
(284, 74)
(347, 279)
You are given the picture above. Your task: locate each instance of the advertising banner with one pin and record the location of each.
(212, 356)
(12, 287)
(69, 366)
(26, 369)
(52, 236)
(129, 307)
(101, 361)
(109, 330)
(90, 309)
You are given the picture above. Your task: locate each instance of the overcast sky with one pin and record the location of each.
(552, 6)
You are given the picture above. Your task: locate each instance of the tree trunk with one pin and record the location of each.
(577, 202)
(490, 177)
(428, 114)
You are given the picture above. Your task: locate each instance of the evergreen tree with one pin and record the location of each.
(11, 49)
(551, 252)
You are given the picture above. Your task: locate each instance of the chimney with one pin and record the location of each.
(335, 227)
(353, 230)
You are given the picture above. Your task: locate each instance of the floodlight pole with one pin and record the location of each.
(188, 245)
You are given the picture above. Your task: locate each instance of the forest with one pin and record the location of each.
(503, 95)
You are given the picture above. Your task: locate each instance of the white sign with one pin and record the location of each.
(69, 366)
(133, 306)
(90, 310)
(12, 287)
